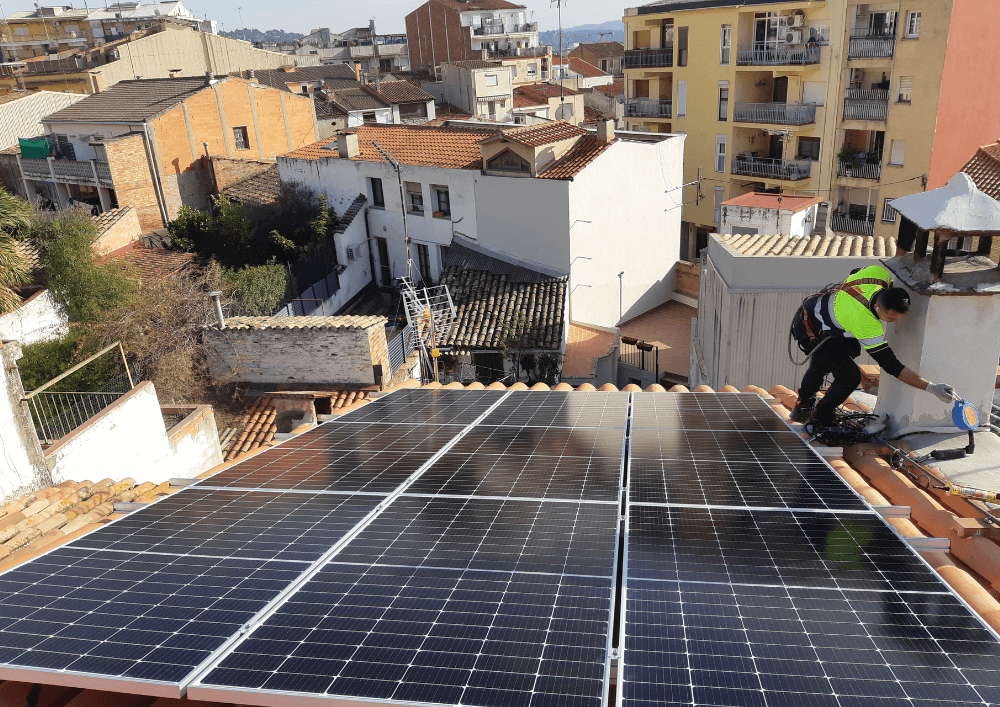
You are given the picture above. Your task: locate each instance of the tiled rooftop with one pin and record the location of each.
(579, 66)
(155, 262)
(544, 91)
(522, 100)
(785, 202)
(467, 5)
(984, 169)
(842, 246)
(259, 189)
(605, 49)
(354, 98)
(612, 90)
(476, 64)
(543, 134)
(301, 322)
(335, 74)
(109, 218)
(488, 306)
(403, 92)
(586, 150)
(32, 258)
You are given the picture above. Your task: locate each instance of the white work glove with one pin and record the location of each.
(942, 391)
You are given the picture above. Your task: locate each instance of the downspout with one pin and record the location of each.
(368, 242)
(157, 187)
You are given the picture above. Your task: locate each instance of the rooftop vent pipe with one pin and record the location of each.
(215, 297)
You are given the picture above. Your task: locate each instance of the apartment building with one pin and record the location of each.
(50, 29)
(855, 103)
(441, 31)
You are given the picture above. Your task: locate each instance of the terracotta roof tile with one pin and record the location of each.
(984, 169)
(579, 66)
(32, 258)
(155, 262)
(425, 145)
(542, 92)
(402, 92)
(522, 100)
(612, 90)
(354, 98)
(301, 323)
(259, 189)
(760, 200)
(586, 150)
(592, 115)
(543, 134)
(254, 430)
(603, 49)
(135, 100)
(842, 246)
(488, 305)
(109, 218)
(476, 64)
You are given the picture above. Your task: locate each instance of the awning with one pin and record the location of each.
(493, 99)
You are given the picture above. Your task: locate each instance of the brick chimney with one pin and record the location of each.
(347, 145)
(606, 130)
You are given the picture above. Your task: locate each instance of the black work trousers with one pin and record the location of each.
(834, 356)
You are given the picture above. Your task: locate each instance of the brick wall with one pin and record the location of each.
(379, 348)
(133, 180)
(687, 278)
(435, 35)
(124, 230)
(229, 171)
(296, 356)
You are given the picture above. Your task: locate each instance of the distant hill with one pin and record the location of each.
(583, 33)
(255, 35)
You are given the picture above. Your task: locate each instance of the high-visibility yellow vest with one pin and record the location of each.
(843, 315)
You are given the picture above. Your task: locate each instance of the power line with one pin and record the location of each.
(885, 184)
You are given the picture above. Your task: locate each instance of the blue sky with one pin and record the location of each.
(304, 15)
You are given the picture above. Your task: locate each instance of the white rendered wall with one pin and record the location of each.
(767, 221)
(40, 318)
(623, 215)
(356, 118)
(22, 467)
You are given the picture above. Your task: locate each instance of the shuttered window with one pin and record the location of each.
(905, 89)
(898, 152)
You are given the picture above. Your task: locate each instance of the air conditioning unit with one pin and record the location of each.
(796, 21)
(793, 36)
(352, 254)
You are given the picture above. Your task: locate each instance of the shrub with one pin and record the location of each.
(15, 219)
(45, 360)
(259, 289)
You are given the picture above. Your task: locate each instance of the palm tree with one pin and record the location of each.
(15, 219)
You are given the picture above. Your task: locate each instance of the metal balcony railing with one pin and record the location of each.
(780, 113)
(71, 171)
(770, 168)
(871, 44)
(849, 224)
(865, 110)
(645, 107)
(871, 168)
(777, 56)
(649, 58)
(867, 94)
(488, 30)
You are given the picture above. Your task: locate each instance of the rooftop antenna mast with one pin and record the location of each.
(402, 202)
(562, 85)
(607, 34)
(243, 27)
(431, 313)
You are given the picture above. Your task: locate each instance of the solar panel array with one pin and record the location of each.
(462, 547)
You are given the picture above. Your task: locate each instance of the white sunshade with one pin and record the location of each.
(957, 206)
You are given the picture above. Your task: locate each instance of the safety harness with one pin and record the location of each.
(850, 288)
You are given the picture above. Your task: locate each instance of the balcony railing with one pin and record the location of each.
(871, 168)
(649, 58)
(543, 50)
(637, 107)
(865, 110)
(492, 30)
(868, 43)
(67, 171)
(769, 168)
(777, 56)
(780, 113)
(488, 30)
(849, 224)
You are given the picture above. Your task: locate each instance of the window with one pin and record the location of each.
(723, 100)
(727, 43)
(604, 65)
(720, 153)
(912, 31)
(640, 88)
(809, 148)
(378, 198)
(414, 198)
(720, 196)
(491, 79)
(424, 263)
(682, 99)
(508, 161)
(888, 213)
(532, 69)
(240, 136)
(905, 89)
(369, 117)
(443, 209)
(385, 271)
(898, 152)
(682, 46)
(304, 88)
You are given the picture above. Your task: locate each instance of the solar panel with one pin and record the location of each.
(763, 447)
(542, 441)
(740, 482)
(440, 406)
(236, 523)
(375, 458)
(149, 618)
(569, 478)
(705, 411)
(443, 636)
(524, 408)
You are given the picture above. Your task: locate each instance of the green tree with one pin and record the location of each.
(234, 234)
(191, 230)
(259, 289)
(15, 219)
(45, 360)
(76, 278)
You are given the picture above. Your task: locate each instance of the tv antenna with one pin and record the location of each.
(607, 34)
(431, 314)
(558, 4)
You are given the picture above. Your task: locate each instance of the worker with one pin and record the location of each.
(832, 327)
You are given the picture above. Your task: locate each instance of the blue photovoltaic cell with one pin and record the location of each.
(236, 523)
(745, 412)
(150, 617)
(522, 408)
(426, 406)
(442, 636)
(542, 441)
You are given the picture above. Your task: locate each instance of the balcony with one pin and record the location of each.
(769, 168)
(649, 58)
(868, 43)
(497, 29)
(866, 104)
(777, 56)
(864, 166)
(645, 107)
(846, 223)
(780, 113)
(70, 171)
(512, 52)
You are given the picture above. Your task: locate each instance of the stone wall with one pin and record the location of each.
(228, 170)
(687, 279)
(123, 229)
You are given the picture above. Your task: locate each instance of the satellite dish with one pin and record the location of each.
(620, 99)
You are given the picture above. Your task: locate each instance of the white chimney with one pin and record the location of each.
(606, 130)
(347, 145)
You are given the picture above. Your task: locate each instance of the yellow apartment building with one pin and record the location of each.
(855, 103)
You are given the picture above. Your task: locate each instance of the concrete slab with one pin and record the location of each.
(981, 470)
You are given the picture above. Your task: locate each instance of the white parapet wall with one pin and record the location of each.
(22, 466)
(39, 318)
(129, 438)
